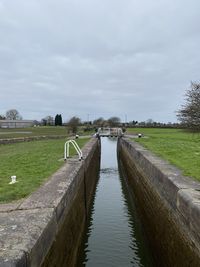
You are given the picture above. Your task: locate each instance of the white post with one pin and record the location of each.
(13, 179)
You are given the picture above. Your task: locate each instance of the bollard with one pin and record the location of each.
(13, 179)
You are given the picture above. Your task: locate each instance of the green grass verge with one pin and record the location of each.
(32, 163)
(180, 148)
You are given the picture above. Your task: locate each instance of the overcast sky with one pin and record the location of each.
(128, 58)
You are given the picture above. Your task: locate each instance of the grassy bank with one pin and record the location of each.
(32, 163)
(178, 147)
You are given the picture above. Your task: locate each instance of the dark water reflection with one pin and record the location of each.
(113, 236)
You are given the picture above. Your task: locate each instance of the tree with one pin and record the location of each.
(73, 124)
(36, 123)
(149, 123)
(99, 122)
(134, 122)
(13, 114)
(58, 120)
(189, 114)
(48, 120)
(114, 121)
(43, 122)
(2, 117)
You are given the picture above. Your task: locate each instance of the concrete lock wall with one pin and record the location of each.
(46, 228)
(168, 204)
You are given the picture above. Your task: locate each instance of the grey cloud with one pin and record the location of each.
(98, 57)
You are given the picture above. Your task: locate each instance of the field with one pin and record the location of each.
(178, 147)
(32, 163)
(32, 131)
(39, 131)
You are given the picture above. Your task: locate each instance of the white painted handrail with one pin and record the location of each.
(75, 145)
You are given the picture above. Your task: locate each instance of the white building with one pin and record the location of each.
(16, 123)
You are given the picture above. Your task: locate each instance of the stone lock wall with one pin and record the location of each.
(46, 228)
(168, 204)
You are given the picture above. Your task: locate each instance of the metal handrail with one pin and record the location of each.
(75, 145)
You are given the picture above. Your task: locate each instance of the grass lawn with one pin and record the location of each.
(177, 146)
(39, 131)
(32, 131)
(32, 163)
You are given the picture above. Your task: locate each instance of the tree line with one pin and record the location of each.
(188, 116)
(11, 114)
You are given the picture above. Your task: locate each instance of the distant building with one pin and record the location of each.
(16, 123)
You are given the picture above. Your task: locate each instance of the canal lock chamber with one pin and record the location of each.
(113, 235)
(116, 216)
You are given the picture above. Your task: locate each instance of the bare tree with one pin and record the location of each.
(189, 114)
(13, 114)
(48, 120)
(73, 124)
(99, 122)
(2, 117)
(149, 123)
(114, 121)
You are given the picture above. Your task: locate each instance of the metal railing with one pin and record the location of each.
(77, 148)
